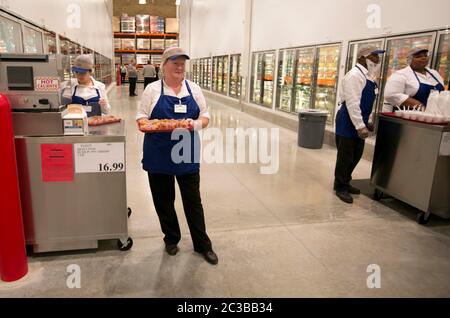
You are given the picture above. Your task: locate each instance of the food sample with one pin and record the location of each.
(163, 125)
(102, 120)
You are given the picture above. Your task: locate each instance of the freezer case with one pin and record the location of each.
(304, 79)
(257, 74)
(412, 163)
(10, 36)
(286, 70)
(443, 59)
(235, 69)
(326, 82)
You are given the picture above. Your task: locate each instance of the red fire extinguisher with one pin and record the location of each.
(13, 258)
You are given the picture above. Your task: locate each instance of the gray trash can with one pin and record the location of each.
(311, 128)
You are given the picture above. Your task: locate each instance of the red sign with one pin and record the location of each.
(57, 162)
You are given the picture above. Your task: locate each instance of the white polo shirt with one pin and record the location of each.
(403, 84)
(86, 91)
(153, 91)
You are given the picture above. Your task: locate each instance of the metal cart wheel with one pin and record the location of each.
(423, 218)
(377, 195)
(129, 211)
(125, 247)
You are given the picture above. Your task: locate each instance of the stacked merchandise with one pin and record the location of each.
(142, 23)
(171, 25)
(127, 58)
(161, 24)
(156, 59)
(128, 24)
(143, 44)
(116, 24)
(171, 43)
(157, 44)
(117, 44)
(128, 44)
(117, 60)
(142, 58)
(153, 24)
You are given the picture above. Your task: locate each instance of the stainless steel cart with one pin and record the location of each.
(412, 163)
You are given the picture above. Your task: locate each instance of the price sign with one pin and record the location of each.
(99, 157)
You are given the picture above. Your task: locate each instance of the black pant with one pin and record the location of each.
(349, 152)
(163, 192)
(132, 81)
(122, 78)
(149, 80)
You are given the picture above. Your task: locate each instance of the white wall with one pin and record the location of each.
(286, 23)
(216, 26)
(95, 29)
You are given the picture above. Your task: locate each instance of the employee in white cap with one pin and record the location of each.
(174, 97)
(85, 90)
(412, 85)
(357, 95)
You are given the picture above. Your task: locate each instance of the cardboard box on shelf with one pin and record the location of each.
(116, 24)
(157, 44)
(128, 44)
(127, 24)
(171, 43)
(171, 25)
(143, 44)
(117, 44)
(142, 23)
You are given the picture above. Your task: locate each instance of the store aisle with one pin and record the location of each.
(279, 235)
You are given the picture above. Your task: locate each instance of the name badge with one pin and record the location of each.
(180, 109)
(376, 91)
(88, 109)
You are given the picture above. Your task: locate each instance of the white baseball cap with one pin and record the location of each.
(173, 53)
(368, 50)
(416, 50)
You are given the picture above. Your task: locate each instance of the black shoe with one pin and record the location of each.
(353, 190)
(344, 196)
(172, 249)
(210, 257)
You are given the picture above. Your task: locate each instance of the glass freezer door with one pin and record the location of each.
(327, 62)
(286, 67)
(225, 75)
(443, 59)
(304, 78)
(257, 71)
(235, 75)
(208, 73)
(268, 78)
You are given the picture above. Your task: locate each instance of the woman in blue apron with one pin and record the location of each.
(176, 101)
(85, 90)
(350, 140)
(405, 88)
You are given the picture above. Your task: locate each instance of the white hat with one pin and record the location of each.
(368, 50)
(83, 63)
(172, 53)
(416, 50)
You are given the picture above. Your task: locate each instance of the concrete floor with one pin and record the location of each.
(280, 235)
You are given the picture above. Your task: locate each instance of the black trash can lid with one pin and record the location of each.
(313, 112)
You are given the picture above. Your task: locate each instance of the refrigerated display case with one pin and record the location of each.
(235, 75)
(207, 65)
(263, 66)
(443, 58)
(286, 70)
(220, 74)
(303, 85)
(195, 73)
(10, 36)
(215, 62)
(327, 65)
(32, 40)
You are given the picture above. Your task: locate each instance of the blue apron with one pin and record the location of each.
(425, 89)
(344, 125)
(92, 103)
(158, 146)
